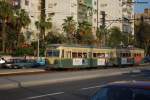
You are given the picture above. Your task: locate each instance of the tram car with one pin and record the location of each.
(75, 56)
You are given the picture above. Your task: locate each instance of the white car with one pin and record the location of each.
(2, 62)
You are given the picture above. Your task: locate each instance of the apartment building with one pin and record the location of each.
(128, 13)
(81, 10)
(59, 10)
(33, 8)
(85, 11)
(145, 15)
(118, 13)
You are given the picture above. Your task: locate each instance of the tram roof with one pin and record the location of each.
(91, 46)
(76, 45)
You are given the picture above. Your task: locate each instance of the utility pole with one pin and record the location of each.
(42, 19)
(38, 47)
(102, 27)
(97, 13)
(103, 19)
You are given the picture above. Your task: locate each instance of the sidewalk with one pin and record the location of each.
(6, 72)
(9, 82)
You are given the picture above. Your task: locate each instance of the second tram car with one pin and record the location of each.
(69, 56)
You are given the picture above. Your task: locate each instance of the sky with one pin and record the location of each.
(140, 7)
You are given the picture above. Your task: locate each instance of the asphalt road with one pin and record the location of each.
(75, 90)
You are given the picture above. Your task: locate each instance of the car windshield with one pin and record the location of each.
(115, 93)
(53, 53)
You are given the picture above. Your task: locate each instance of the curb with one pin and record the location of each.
(11, 73)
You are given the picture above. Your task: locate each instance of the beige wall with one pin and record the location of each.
(61, 10)
(116, 9)
(33, 9)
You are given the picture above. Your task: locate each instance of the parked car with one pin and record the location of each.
(21, 63)
(124, 91)
(9, 64)
(2, 62)
(39, 62)
(147, 59)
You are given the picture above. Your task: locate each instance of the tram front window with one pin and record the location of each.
(53, 53)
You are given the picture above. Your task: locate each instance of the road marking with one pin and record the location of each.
(92, 87)
(40, 96)
(136, 71)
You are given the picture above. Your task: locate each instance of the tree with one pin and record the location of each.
(22, 20)
(55, 38)
(142, 35)
(43, 24)
(11, 38)
(69, 27)
(85, 32)
(40, 25)
(6, 14)
(116, 37)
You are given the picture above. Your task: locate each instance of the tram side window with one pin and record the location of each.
(56, 53)
(137, 54)
(62, 55)
(98, 55)
(68, 54)
(125, 54)
(74, 54)
(129, 54)
(101, 55)
(84, 55)
(79, 55)
(94, 55)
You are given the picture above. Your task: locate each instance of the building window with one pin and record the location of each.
(50, 5)
(39, 7)
(51, 14)
(103, 5)
(95, 11)
(95, 20)
(95, 3)
(26, 2)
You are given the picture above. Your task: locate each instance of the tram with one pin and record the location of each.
(76, 56)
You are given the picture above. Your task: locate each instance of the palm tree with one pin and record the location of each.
(69, 27)
(6, 14)
(43, 25)
(142, 36)
(85, 32)
(22, 20)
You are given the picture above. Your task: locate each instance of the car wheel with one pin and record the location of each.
(23, 67)
(15, 67)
